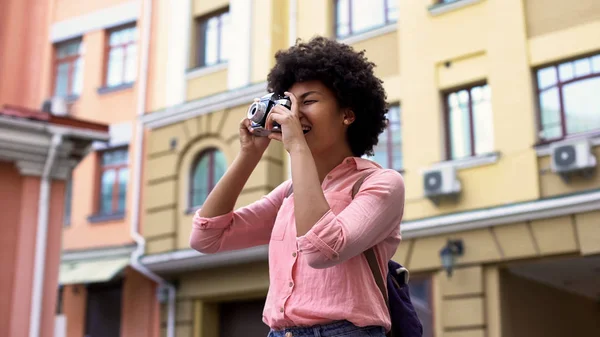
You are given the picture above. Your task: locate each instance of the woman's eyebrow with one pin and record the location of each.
(308, 93)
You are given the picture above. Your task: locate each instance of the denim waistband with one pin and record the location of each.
(323, 330)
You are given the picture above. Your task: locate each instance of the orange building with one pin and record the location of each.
(82, 60)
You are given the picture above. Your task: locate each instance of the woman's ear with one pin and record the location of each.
(349, 117)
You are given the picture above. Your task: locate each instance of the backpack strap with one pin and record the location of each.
(372, 260)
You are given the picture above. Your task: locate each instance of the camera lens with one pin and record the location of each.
(256, 112)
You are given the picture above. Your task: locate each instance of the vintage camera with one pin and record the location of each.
(258, 112)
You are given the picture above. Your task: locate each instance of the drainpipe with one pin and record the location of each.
(40, 239)
(137, 177)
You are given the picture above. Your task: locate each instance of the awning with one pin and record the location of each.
(90, 271)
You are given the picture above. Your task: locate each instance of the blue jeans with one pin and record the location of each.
(337, 329)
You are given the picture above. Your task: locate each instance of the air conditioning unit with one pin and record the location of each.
(441, 182)
(572, 157)
(57, 106)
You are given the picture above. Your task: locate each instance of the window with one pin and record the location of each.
(358, 16)
(68, 69)
(469, 125)
(207, 169)
(569, 97)
(213, 38)
(121, 59)
(422, 299)
(113, 181)
(388, 152)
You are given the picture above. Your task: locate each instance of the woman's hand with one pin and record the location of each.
(291, 134)
(251, 144)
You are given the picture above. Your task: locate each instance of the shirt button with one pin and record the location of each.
(291, 284)
(348, 161)
(280, 309)
(294, 254)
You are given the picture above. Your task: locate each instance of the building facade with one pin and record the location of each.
(83, 61)
(490, 102)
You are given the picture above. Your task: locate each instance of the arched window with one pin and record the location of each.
(207, 169)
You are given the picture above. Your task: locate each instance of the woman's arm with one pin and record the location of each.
(373, 216)
(216, 227)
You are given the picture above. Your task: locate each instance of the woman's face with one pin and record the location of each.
(319, 111)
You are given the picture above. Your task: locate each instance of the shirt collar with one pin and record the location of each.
(361, 163)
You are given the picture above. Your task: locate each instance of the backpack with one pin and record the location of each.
(404, 318)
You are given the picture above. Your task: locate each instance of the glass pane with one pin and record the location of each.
(367, 14)
(582, 105)
(565, 71)
(220, 166)
(550, 114)
(596, 64)
(211, 46)
(61, 87)
(459, 125)
(200, 181)
(420, 293)
(115, 157)
(77, 77)
(392, 8)
(342, 17)
(483, 121)
(131, 62)
(106, 192)
(73, 48)
(583, 67)
(130, 34)
(123, 179)
(380, 152)
(115, 67)
(116, 38)
(225, 37)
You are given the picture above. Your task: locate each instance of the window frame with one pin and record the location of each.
(108, 48)
(446, 108)
(559, 85)
(386, 12)
(115, 193)
(200, 40)
(210, 175)
(71, 60)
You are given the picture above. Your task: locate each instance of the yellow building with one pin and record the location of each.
(495, 127)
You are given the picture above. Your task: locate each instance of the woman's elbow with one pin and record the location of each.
(203, 246)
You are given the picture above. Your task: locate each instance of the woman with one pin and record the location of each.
(320, 283)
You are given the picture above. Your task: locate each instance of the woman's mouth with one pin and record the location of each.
(306, 129)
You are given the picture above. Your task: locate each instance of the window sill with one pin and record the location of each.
(203, 71)
(97, 218)
(369, 34)
(470, 162)
(106, 90)
(543, 149)
(441, 8)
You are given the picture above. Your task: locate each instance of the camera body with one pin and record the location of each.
(259, 111)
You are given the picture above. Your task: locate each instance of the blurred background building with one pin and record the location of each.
(494, 124)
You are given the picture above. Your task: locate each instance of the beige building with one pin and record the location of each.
(495, 127)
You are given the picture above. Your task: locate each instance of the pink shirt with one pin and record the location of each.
(322, 276)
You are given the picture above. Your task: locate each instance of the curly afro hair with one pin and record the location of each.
(348, 74)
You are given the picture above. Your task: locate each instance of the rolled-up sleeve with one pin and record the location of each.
(373, 215)
(243, 228)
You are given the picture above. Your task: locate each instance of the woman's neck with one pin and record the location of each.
(327, 161)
